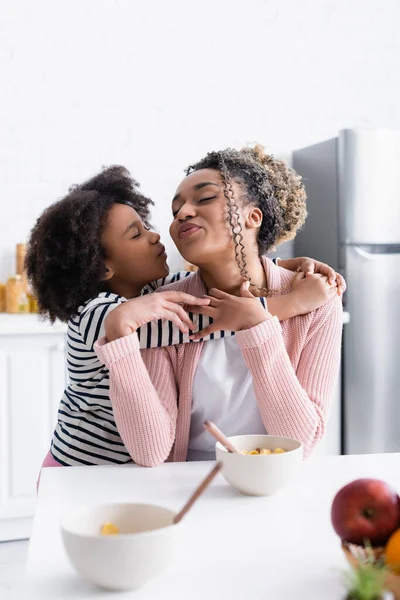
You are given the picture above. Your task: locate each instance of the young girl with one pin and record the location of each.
(87, 255)
(273, 377)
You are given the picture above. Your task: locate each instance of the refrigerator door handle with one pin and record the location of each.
(371, 251)
(363, 253)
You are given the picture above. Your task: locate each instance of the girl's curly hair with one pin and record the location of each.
(276, 189)
(65, 259)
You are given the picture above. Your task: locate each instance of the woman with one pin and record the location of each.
(274, 377)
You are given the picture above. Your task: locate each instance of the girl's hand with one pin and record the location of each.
(231, 313)
(129, 316)
(309, 266)
(311, 291)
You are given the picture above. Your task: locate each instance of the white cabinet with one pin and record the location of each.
(32, 379)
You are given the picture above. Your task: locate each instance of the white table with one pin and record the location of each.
(235, 547)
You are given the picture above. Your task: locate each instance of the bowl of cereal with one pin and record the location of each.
(263, 464)
(120, 546)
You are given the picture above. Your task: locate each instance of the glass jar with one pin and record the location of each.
(17, 300)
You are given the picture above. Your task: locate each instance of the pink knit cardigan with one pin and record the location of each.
(294, 365)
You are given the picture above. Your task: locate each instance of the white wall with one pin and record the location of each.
(155, 84)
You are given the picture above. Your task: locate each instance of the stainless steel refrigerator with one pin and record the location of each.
(353, 185)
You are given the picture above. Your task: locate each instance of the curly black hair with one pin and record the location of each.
(65, 261)
(270, 184)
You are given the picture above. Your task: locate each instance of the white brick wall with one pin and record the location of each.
(154, 85)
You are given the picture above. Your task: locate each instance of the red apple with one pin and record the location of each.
(366, 509)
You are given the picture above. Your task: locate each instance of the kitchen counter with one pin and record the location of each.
(26, 324)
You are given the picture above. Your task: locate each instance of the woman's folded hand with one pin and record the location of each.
(231, 313)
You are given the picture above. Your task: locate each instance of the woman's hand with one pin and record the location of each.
(311, 291)
(129, 316)
(231, 313)
(309, 266)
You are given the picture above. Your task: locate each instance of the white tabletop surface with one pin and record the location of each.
(234, 547)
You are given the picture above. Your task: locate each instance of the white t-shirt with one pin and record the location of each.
(223, 393)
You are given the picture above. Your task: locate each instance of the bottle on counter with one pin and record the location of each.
(17, 300)
(20, 270)
(33, 305)
(20, 252)
(2, 298)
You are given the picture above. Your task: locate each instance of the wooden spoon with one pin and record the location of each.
(197, 492)
(219, 436)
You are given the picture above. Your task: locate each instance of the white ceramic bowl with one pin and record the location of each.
(264, 474)
(146, 546)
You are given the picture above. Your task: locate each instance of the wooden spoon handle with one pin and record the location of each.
(219, 436)
(198, 491)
